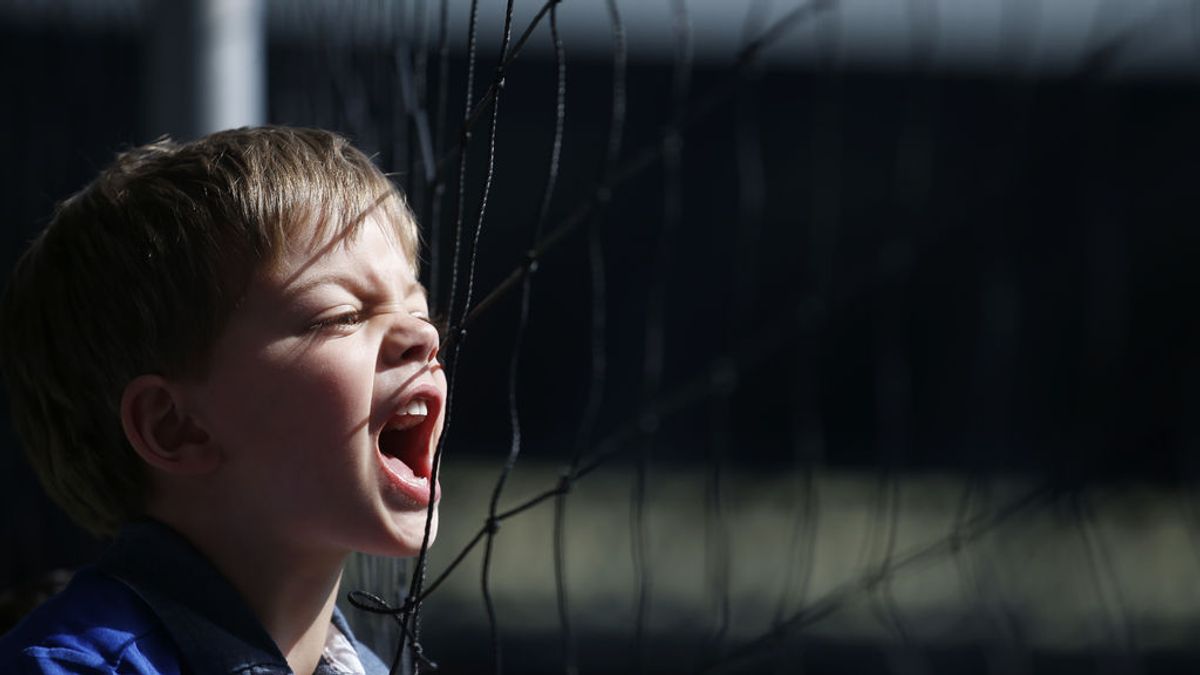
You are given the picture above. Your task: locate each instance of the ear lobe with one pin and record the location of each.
(161, 432)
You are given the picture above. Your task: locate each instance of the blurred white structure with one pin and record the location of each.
(205, 66)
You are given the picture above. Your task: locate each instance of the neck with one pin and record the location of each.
(291, 591)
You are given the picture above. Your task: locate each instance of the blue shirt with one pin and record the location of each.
(152, 605)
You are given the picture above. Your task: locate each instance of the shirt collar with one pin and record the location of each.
(206, 617)
(339, 655)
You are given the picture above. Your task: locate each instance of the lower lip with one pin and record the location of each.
(401, 478)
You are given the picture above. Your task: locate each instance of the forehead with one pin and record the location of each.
(374, 251)
(317, 228)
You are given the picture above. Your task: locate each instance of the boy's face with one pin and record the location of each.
(325, 398)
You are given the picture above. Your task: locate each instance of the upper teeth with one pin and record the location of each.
(415, 407)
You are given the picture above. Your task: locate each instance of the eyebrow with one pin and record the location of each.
(346, 281)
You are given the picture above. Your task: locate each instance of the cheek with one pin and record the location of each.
(297, 405)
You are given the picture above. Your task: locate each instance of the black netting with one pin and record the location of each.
(764, 362)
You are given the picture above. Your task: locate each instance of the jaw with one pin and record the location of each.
(407, 532)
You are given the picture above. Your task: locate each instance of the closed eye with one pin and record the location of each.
(343, 320)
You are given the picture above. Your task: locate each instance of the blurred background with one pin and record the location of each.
(864, 334)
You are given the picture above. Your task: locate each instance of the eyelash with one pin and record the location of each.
(343, 320)
(350, 319)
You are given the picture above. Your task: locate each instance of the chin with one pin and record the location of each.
(407, 531)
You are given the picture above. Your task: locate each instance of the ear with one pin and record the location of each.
(160, 430)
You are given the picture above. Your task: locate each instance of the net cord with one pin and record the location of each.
(645, 157)
(842, 594)
(877, 583)
(597, 331)
(518, 340)
(409, 614)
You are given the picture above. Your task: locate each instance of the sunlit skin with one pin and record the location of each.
(311, 366)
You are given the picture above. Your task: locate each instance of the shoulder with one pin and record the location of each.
(95, 625)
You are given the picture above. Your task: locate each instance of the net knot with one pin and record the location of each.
(531, 260)
(565, 482)
(409, 605)
(492, 526)
(876, 577)
(419, 655)
(956, 540)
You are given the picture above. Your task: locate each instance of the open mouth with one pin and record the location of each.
(404, 445)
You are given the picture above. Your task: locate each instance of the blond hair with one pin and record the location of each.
(138, 273)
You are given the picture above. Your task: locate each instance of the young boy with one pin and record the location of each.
(219, 352)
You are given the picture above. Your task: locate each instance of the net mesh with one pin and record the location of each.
(703, 334)
(768, 365)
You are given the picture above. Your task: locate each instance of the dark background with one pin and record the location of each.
(979, 273)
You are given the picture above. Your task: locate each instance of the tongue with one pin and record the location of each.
(401, 469)
(395, 446)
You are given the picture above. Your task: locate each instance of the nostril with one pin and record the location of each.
(417, 352)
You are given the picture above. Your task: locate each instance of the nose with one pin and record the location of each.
(409, 340)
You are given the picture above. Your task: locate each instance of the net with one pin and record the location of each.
(802, 336)
(852, 355)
